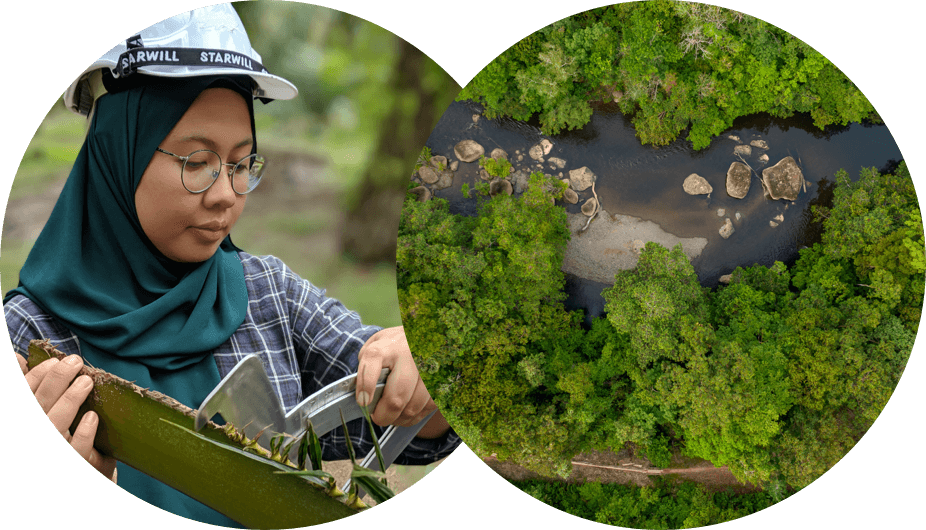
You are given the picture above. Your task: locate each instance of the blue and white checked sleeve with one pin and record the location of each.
(326, 338)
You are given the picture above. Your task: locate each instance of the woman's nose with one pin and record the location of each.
(221, 194)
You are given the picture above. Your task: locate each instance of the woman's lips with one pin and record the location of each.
(215, 226)
(211, 231)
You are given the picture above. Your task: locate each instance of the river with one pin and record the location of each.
(646, 181)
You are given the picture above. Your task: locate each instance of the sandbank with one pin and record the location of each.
(612, 243)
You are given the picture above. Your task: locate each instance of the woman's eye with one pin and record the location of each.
(202, 160)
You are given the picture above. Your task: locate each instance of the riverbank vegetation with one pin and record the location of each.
(670, 66)
(776, 375)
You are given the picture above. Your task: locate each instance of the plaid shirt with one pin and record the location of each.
(305, 340)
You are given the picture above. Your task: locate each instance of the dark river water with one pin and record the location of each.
(646, 182)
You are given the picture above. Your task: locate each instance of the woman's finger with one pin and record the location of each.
(377, 353)
(82, 438)
(57, 380)
(419, 406)
(367, 375)
(64, 410)
(35, 376)
(82, 442)
(400, 387)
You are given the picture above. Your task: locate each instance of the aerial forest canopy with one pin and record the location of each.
(669, 65)
(776, 375)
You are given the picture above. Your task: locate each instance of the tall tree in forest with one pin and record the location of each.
(669, 66)
(420, 93)
(370, 96)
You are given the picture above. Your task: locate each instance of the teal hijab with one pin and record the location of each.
(137, 314)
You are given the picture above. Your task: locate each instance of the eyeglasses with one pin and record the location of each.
(201, 169)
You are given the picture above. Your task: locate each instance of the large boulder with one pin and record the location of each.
(727, 229)
(498, 154)
(439, 162)
(581, 179)
(739, 177)
(468, 151)
(428, 174)
(519, 180)
(536, 152)
(742, 150)
(570, 196)
(445, 180)
(784, 180)
(421, 193)
(696, 185)
(589, 206)
(546, 145)
(499, 186)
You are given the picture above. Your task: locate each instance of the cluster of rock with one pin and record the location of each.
(437, 174)
(783, 181)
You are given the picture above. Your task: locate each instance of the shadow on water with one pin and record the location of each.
(646, 181)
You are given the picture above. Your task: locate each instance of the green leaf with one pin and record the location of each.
(278, 467)
(372, 482)
(376, 447)
(350, 446)
(314, 447)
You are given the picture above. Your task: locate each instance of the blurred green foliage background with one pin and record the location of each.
(339, 155)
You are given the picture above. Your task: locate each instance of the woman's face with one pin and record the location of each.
(188, 227)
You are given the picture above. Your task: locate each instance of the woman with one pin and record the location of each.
(135, 272)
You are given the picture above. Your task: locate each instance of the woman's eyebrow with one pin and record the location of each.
(208, 142)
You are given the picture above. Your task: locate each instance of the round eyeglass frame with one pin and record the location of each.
(215, 174)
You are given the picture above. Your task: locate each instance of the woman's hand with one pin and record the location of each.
(60, 395)
(405, 400)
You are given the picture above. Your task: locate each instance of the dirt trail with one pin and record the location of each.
(623, 468)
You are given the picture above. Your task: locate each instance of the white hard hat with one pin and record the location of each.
(206, 41)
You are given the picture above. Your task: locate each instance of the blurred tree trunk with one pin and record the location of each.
(422, 92)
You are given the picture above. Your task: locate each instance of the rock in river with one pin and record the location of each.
(499, 186)
(570, 196)
(696, 185)
(428, 174)
(445, 180)
(546, 145)
(784, 180)
(589, 206)
(422, 193)
(439, 162)
(536, 152)
(519, 180)
(738, 178)
(727, 229)
(468, 151)
(498, 154)
(581, 178)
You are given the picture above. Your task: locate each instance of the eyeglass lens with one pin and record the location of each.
(202, 168)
